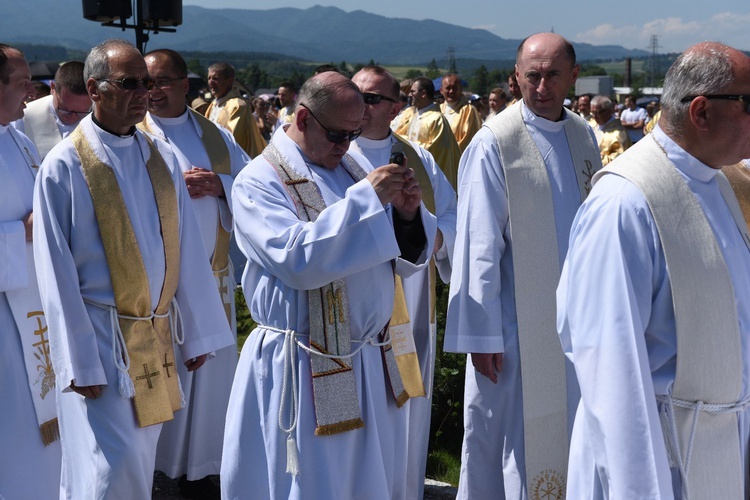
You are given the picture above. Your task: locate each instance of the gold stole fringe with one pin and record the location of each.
(50, 431)
(148, 341)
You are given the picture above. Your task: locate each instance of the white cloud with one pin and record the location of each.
(675, 34)
(488, 27)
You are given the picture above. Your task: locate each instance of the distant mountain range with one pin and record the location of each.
(316, 34)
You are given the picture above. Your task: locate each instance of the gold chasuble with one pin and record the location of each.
(218, 156)
(739, 178)
(147, 334)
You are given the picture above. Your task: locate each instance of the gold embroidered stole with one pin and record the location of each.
(148, 337)
(334, 385)
(537, 271)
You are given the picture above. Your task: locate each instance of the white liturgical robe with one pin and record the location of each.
(106, 455)
(482, 304)
(617, 324)
(353, 239)
(191, 443)
(417, 293)
(28, 469)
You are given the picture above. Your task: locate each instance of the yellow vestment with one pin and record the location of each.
(237, 117)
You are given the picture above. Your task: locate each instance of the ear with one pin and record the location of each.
(699, 113)
(518, 74)
(395, 109)
(92, 87)
(52, 87)
(576, 69)
(300, 118)
(185, 85)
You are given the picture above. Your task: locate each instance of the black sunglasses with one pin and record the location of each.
(725, 97)
(371, 98)
(336, 137)
(130, 84)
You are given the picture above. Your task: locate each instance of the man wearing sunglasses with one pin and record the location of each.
(654, 299)
(314, 410)
(190, 445)
(50, 119)
(424, 124)
(380, 91)
(124, 276)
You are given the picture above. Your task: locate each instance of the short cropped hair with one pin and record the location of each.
(424, 83)
(97, 62)
(695, 72)
(381, 71)
(316, 94)
(174, 57)
(222, 68)
(69, 76)
(5, 53)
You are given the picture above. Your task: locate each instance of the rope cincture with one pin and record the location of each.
(120, 351)
(668, 403)
(290, 369)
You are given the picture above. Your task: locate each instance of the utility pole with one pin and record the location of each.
(653, 62)
(452, 59)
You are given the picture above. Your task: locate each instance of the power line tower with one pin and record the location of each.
(452, 59)
(653, 63)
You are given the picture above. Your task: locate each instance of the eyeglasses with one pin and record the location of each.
(336, 137)
(68, 112)
(724, 97)
(130, 84)
(371, 98)
(165, 83)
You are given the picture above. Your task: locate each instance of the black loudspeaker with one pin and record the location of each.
(104, 11)
(162, 12)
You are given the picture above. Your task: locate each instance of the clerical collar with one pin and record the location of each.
(426, 108)
(365, 143)
(175, 120)
(611, 119)
(130, 133)
(542, 123)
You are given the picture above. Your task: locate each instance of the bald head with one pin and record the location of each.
(451, 88)
(546, 70)
(380, 90)
(328, 115)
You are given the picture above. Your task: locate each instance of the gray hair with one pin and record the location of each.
(602, 102)
(317, 93)
(97, 62)
(703, 71)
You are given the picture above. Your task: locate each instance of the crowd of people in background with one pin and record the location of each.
(597, 254)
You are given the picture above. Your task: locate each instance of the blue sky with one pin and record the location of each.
(629, 23)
